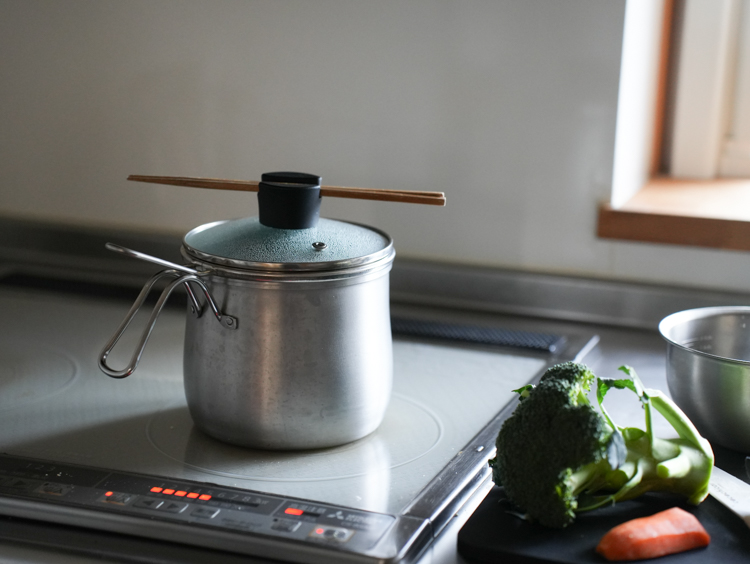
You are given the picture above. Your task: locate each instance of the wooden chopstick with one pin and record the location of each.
(389, 195)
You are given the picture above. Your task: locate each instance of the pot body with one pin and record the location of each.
(310, 364)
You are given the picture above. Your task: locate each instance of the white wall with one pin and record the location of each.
(507, 106)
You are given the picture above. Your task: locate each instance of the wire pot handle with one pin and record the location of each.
(180, 278)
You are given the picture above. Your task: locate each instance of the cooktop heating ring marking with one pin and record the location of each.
(172, 433)
(29, 374)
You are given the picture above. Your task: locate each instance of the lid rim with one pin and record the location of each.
(287, 276)
(191, 253)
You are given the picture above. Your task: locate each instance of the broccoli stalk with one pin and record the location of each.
(681, 465)
(558, 456)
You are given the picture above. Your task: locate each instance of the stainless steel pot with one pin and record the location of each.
(301, 354)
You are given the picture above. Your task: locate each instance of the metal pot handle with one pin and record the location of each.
(226, 320)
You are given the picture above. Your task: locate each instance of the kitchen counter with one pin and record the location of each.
(624, 316)
(640, 348)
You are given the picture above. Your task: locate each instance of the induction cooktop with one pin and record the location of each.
(122, 456)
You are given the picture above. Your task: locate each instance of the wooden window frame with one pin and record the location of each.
(703, 213)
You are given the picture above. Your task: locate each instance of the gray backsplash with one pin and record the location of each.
(74, 252)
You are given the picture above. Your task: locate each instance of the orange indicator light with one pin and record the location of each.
(293, 511)
(168, 492)
(192, 495)
(156, 490)
(109, 493)
(180, 493)
(319, 531)
(204, 497)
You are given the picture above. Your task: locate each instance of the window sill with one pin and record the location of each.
(714, 214)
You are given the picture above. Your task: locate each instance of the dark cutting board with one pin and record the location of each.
(493, 535)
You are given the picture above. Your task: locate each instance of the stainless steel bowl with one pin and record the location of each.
(708, 371)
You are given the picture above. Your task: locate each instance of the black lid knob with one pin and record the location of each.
(289, 200)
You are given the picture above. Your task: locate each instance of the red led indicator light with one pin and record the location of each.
(293, 511)
(156, 490)
(204, 497)
(192, 495)
(168, 492)
(320, 531)
(180, 493)
(109, 493)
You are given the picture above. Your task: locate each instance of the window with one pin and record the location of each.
(735, 159)
(683, 131)
(707, 104)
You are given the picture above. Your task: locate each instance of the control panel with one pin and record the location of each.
(150, 500)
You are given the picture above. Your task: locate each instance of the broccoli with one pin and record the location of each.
(558, 456)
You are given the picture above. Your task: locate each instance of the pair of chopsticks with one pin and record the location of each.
(405, 196)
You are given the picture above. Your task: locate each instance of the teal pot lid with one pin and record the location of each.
(248, 244)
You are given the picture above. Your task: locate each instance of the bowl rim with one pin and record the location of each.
(679, 317)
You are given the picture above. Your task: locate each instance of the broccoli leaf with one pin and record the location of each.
(524, 391)
(603, 385)
(617, 451)
(637, 386)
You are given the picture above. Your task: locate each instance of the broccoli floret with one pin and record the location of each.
(558, 456)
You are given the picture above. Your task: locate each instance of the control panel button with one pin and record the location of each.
(173, 507)
(205, 512)
(117, 498)
(331, 534)
(238, 523)
(53, 489)
(285, 525)
(18, 484)
(149, 503)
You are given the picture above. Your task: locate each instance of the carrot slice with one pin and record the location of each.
(667, 532)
